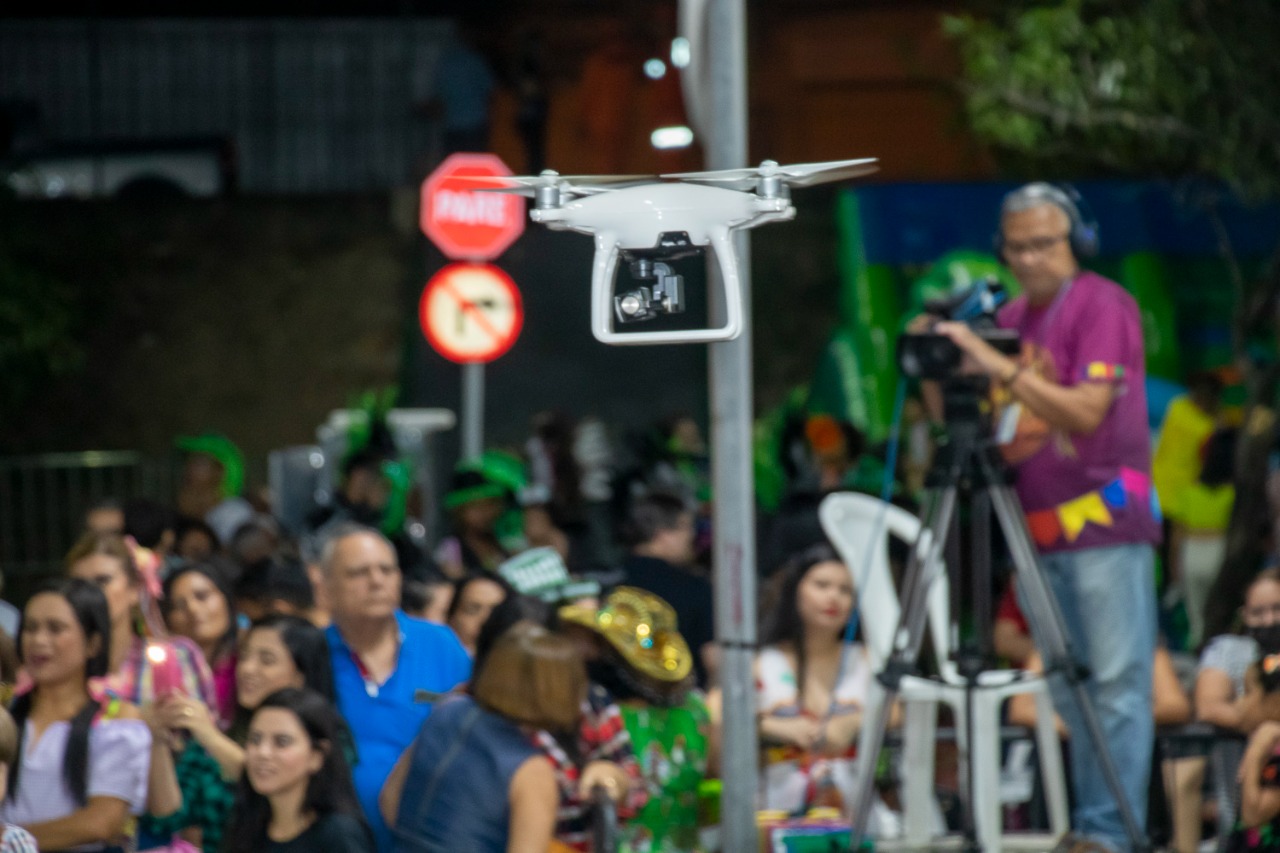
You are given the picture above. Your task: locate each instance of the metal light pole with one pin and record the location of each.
(725, 143)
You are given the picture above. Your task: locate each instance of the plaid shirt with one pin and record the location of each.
(602, 736)
(133, 681)
(207, 799)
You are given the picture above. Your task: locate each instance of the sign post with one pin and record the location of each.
(480, 299)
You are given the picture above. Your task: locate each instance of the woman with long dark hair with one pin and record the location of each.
(811, 685)
(198, 605)
(277, 652)
(144, 663)
(296, 792)
(82, 757)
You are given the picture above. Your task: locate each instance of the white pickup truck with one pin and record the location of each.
(198, 167)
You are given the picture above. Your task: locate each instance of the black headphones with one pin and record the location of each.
(1083, 235)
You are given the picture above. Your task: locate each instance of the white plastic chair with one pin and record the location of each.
(859, 527)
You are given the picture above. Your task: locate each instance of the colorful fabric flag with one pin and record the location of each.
(1074, 514)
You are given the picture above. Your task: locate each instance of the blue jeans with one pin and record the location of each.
(1108, 602)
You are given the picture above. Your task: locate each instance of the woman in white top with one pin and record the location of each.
(810, 686)
(81, 770)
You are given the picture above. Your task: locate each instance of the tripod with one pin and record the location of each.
(968, 461)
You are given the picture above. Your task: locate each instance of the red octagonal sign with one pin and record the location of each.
(468, 225)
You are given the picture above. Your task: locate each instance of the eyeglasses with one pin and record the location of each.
(1034, 246)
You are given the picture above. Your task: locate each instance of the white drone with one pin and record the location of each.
(649, 220)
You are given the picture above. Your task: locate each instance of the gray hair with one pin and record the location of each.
(330, 535)
(1038, 194)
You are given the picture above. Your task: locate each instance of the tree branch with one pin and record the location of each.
(1151, 125)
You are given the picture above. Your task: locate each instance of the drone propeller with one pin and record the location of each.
(529, 185)
(798, 175)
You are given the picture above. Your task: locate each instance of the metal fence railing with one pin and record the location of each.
(43, 499)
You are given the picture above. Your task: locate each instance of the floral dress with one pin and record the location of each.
(794, 780)
(671, 746)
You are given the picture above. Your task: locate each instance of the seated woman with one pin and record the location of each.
(1219, 695)
(440, 796)
(1220, 692)
(83, 759)
(296, 794)
(277, 652)
(811, 686)
(1258, 828)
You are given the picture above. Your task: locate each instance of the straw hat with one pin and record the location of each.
(641, 627)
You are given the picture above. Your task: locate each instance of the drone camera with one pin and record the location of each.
(664, 296)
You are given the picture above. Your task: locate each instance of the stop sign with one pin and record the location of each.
(469, 225)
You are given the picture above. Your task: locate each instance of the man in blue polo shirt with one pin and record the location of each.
(388, 668)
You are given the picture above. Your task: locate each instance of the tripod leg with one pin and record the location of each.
(1045, 615)
(922, 567)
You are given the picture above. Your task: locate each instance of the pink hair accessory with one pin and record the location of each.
(148, 564)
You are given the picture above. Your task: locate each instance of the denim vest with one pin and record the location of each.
(455, 796)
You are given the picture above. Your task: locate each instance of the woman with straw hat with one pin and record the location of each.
(643, 661)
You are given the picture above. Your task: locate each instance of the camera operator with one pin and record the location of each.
(1075, 424)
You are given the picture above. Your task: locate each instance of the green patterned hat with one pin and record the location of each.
(541, 573)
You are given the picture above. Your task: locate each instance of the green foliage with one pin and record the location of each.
(1151, 88)
(37, 330)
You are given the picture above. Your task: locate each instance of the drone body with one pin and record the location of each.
(637, 216)
(665, 220)
(647, 220)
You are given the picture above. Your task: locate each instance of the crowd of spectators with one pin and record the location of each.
(204, 675)
(203, 678)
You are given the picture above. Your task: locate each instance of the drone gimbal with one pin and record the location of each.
(664, 296)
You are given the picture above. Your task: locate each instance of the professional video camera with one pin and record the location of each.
(934, 356)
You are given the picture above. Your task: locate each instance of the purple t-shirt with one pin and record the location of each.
(1085, 491)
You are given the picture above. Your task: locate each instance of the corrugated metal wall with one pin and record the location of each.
(312, 105)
